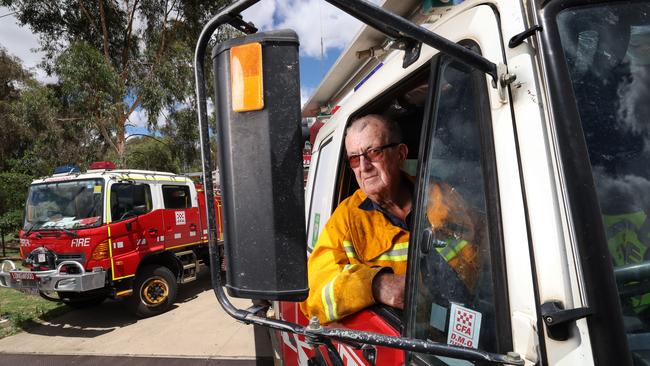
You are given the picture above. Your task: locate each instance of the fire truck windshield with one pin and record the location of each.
(64, 205)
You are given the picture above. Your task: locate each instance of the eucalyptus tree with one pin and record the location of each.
(113, 58)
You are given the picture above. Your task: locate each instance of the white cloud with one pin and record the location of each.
(20, 42)
(138, 119)
(261, 14)
(320, 26)
(305, 93)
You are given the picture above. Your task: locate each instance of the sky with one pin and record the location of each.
(323, 30)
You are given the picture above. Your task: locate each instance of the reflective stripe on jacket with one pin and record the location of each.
(353, 247)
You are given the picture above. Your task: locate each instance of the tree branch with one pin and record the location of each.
(135, 105)
(104, 31)
(127, 41)
(86, 13)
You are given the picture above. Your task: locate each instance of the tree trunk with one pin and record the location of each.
(2, 238)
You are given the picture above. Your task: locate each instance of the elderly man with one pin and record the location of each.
(360, 258)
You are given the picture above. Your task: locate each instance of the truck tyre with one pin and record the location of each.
(154, 291)
(80, 301)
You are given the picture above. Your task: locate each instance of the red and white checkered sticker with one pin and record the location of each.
(464, 327)
(180, 217)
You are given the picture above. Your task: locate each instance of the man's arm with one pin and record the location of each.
(337, 288)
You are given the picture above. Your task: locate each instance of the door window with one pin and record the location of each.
(177, 196)
(129, 200)
(453, 262)
(321, 205)
(607, 49)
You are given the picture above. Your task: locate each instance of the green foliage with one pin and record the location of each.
(11, 221)
(150, 154)
(13, 194)
(90, 85)
(108, 67)
(12, 74)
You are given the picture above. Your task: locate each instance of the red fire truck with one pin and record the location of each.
(109, 232)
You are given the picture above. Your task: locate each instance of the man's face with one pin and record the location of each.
(379, 177)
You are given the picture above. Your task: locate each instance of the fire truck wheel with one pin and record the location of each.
(154, 291)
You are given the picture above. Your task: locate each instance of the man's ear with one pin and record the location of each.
(403, 152)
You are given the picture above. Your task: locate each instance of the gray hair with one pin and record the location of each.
(392, 128)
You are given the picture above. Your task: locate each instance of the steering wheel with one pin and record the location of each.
(127, 214)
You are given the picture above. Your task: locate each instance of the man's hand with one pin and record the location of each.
(388, 288)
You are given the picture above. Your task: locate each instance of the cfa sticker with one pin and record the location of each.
(180, 217)
(464, 327)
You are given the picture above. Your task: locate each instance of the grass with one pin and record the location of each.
(22, 311)
(19, 311)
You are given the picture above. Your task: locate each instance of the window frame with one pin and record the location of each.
(491, 195)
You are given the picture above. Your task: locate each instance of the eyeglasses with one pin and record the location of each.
(372, 154)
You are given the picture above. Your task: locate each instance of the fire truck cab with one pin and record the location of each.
(538, 120)
(109, 232)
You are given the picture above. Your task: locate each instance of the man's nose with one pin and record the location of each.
(364, 162)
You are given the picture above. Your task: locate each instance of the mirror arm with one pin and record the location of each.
(314, 332)
(398, 27)
(227, 15)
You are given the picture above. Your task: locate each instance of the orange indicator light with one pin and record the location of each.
(246, 77)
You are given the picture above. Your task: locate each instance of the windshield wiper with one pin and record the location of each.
(64, 230)
(31, 228)
(69, 232)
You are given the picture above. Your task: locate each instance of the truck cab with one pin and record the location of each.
(544, 135)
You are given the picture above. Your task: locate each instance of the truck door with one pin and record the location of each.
(181, 215)
(469, 211)
(133, 226)
(600, 57)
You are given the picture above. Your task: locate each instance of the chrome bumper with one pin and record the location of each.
(53, 280)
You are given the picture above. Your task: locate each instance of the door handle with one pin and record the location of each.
(193, 227)
(153, 232)
(557, 318)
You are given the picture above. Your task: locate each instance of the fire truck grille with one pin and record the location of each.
(77, 257)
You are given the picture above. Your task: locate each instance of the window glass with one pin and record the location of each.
(454, 296)
(607, 49)
(71, 204)
(177, 196)
(129, 200)
(321, 205)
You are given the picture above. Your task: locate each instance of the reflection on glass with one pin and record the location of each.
(607, 48)
(64, 205)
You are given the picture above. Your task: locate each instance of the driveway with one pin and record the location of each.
(196, 327)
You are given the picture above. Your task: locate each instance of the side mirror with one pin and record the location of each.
(257, 89)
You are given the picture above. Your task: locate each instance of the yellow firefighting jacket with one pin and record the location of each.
(353, 247)
(356, 244)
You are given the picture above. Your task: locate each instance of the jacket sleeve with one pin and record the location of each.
(337, 288)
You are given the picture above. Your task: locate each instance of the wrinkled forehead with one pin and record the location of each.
(364, 135)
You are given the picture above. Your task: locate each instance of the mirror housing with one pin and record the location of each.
(260, 162)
